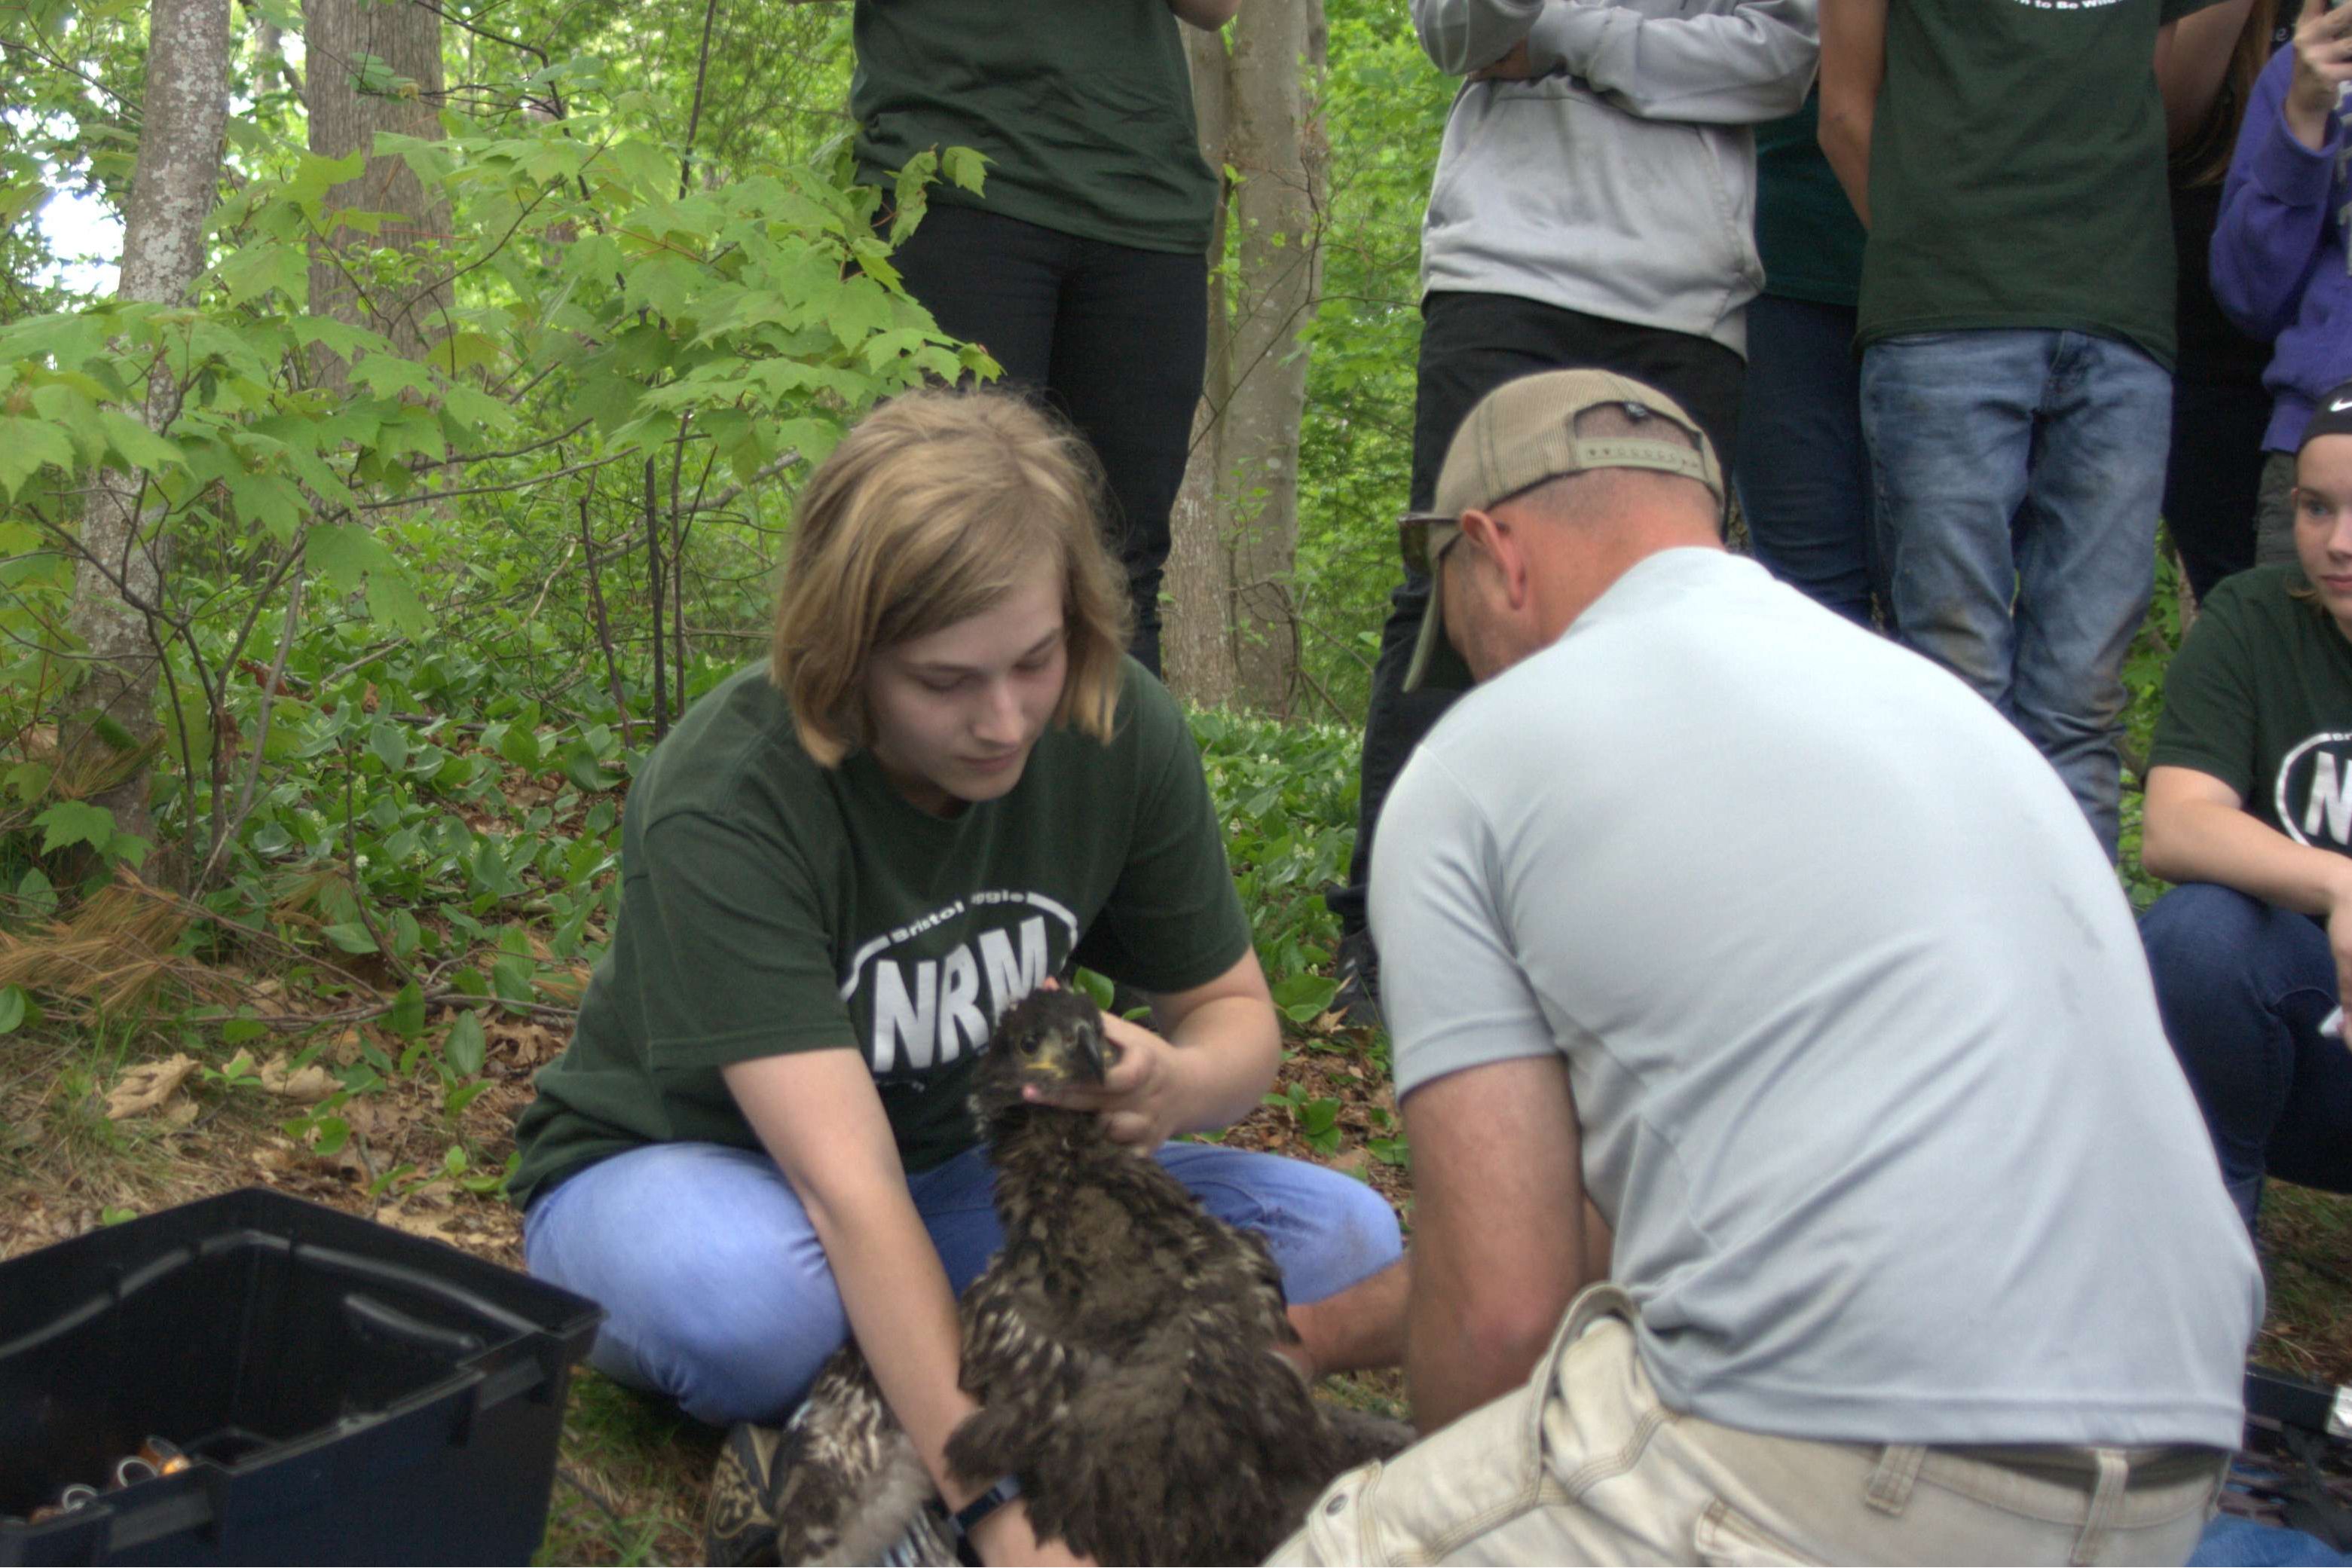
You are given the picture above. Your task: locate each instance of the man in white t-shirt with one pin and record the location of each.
(1718, 923)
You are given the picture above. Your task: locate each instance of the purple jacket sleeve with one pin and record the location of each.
(2273, 211)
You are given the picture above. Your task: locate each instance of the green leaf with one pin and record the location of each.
(465, 1047)
(11, 1007)
(315, 176)
(348, 555)
(250, 274)
(136, 445)
(520, 746)
(965, 167)
(406, 1019)
(351, 937)
(863, 309)
(390, 744)
(510, 977)
(344, 554)
(454, 1102)
(75, 822)
(333, 1134)
(37, 895)
(24, 446)
(1305, 998)
(1098, 986)
(28, 780)
(464, 351)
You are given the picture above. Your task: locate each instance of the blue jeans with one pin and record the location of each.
(1804, 474)
(2019, 475)
(717, 1291)
(2243, 986)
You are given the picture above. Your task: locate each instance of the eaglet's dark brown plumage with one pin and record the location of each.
(1121, 1345)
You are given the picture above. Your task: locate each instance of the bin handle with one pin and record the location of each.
(369, 1313)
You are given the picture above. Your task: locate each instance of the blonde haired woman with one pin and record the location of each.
(947, 784)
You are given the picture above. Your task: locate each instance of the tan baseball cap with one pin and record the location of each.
(1524, 433)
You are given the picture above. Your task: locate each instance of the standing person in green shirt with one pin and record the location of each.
(2016, 328)
(2249, 811)
(946, 784)
(1083, 266)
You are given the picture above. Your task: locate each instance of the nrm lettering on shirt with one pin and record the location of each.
(2330, 796)
(929, 1011)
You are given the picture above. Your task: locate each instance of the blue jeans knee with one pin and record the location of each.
(2243, 986)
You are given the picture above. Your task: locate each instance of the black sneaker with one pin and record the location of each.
(1358, 999)
(739, 1525)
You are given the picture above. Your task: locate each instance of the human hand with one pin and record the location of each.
(2323, 64)
(1005, 1537)
(1142, 1098)
(2339, 944)
(1513, 66)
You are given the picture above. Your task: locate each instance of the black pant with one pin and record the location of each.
(1114, 338)
(2214, 476)
(1470, 344)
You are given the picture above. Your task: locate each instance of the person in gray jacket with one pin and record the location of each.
(1593, 206)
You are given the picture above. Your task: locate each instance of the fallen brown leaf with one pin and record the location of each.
(147, 1086)
(305, 1087)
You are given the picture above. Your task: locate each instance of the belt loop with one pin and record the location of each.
(1889, 1490)
(2106, 1502)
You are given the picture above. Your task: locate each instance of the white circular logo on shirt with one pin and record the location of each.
(2314, 795)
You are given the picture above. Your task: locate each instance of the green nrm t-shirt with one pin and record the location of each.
(2017, 172)
(2260, 697)
(771, 905)
(1084, 107)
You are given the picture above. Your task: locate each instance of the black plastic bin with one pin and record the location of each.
(348, 1394)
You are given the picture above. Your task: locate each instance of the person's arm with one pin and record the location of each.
(1462, 37)
(2275, 201)
(1853, 65)
(1499, 1243)
(1206, 15)
(1214, 1055)
(818, 1115)
(2192, 56)
(1751, 60)
(2196, 828)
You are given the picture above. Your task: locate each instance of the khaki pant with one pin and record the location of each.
(1583, 1464)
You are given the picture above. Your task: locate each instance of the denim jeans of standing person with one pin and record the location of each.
(1804, 474)
(1470, 344)
(1114, 337)
(718, 1292)
(2018, 475)
(2243, 986)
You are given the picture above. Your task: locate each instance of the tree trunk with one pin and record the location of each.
(350, 101)
(1195, 649)
(119, 580)
(1236, 524)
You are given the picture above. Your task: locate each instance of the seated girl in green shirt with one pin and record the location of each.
(946, 784)
(2250, 809)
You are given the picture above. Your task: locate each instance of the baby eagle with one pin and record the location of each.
(1122, 1348)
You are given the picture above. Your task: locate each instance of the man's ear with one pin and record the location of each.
(1504, 543)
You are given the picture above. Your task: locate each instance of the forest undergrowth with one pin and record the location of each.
(353, 1013)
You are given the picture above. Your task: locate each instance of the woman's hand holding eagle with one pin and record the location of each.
(1146, 1095)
